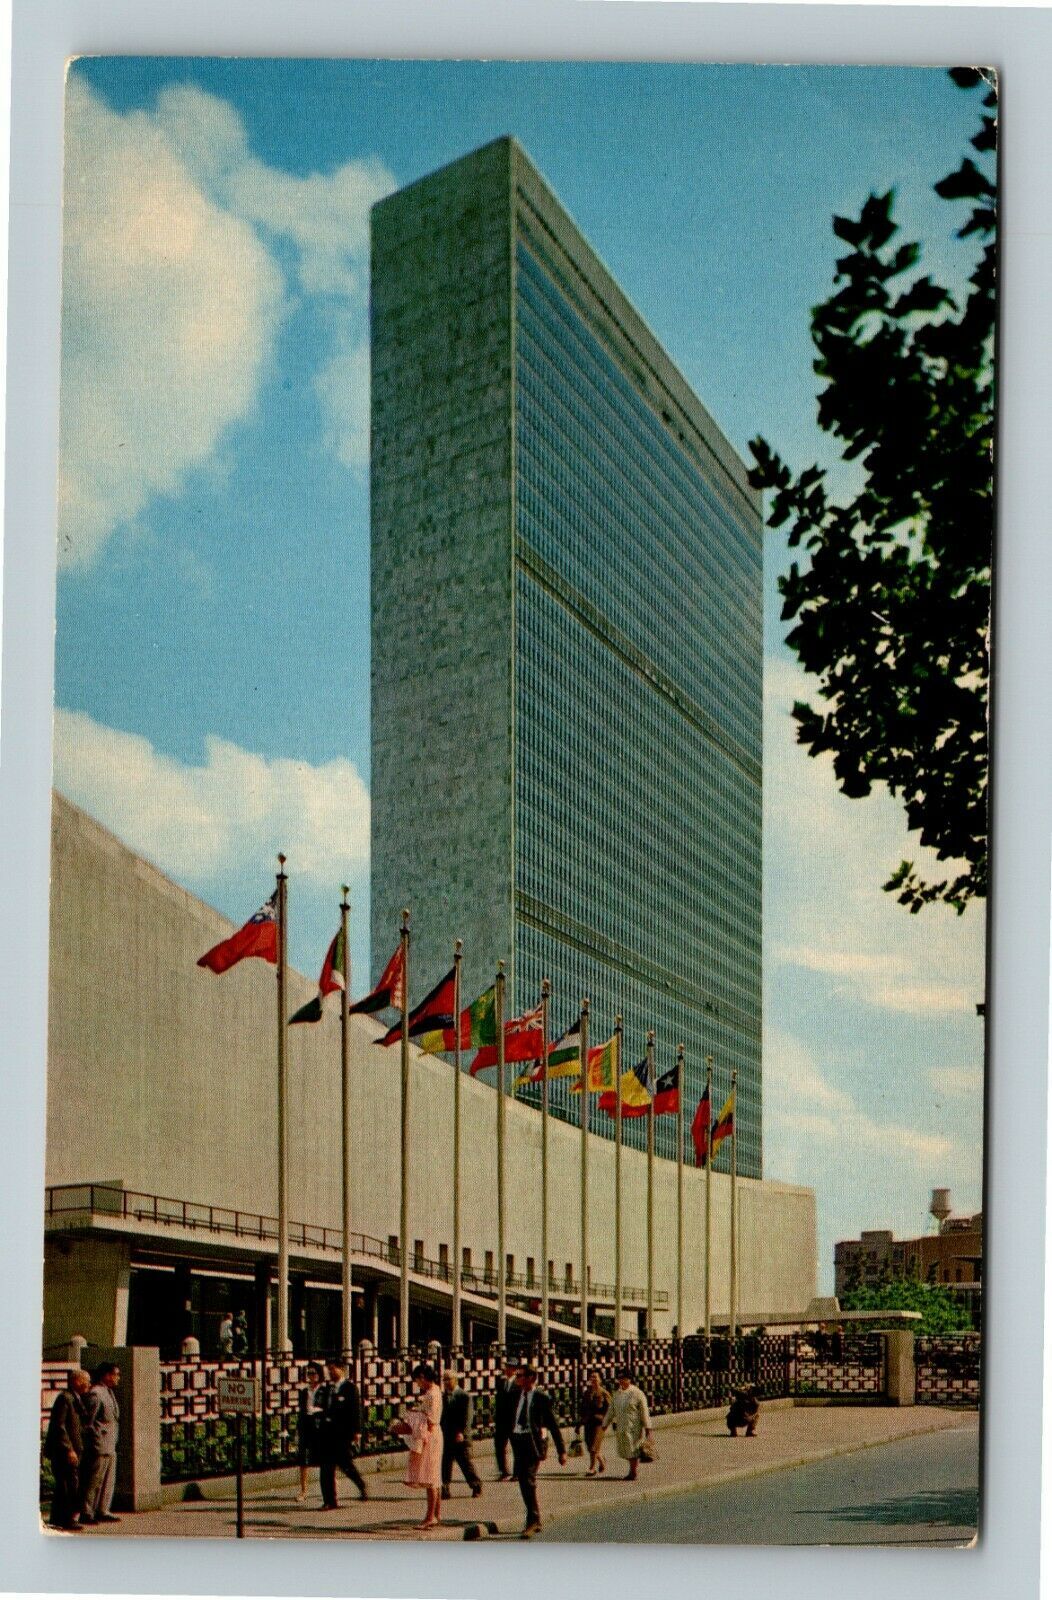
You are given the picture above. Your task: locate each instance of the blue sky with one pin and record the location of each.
(212, 643)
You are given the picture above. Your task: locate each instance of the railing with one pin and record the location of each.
(948, 1370)
(97, 1199)
(675, 1376)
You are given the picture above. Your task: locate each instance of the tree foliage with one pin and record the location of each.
(941, 1310)
(891, 610)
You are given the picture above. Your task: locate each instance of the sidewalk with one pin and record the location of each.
(693, 1453)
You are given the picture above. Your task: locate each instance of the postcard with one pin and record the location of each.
(519, 840)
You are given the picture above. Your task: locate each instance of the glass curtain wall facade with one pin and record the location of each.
(634, 636)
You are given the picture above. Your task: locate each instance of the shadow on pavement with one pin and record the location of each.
(941, 1508)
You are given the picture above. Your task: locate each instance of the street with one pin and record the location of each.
(915, 1491)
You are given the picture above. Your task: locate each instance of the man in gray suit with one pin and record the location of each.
(99, 1465)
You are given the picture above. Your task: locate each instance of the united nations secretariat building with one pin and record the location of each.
(566, 742)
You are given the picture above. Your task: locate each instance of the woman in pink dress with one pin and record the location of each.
(425, 1443)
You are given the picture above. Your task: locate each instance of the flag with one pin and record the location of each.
(478, 1026)
(564, 1059)
(602, 1068)
(434, 1012)
(259, 937)
(390, 991)
(523, 1041)
(724, 1123)
(701, 1128)
(666, 1094)
(635, 1092)
(333, 977)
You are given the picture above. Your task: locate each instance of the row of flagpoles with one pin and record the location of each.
(440, 1024)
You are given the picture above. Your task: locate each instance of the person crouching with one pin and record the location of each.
(744, 1413)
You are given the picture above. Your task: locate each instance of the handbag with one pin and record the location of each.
(647, 1453)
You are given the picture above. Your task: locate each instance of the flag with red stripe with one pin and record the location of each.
(390, 991)
(435, 1011)
(258, 937)
(523, 1041)
(701, 1128)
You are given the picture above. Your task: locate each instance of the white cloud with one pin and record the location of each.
(885, 980)
(826, 858)
(202, 823)
(800, 1100)
(172, 297)
(343, 388)
(169, 307)
(957, 1081)
(871, 1165)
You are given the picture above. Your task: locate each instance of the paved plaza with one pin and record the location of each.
(695, 1453)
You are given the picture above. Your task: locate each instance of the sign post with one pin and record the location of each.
(237, 1396)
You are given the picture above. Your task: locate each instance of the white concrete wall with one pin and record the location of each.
(163, 1076)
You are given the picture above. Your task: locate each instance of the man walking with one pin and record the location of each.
(534, 1421)
(98, 1475)
(339, 1434)
(505, 1402)
(64, 1447)
(456, 1435)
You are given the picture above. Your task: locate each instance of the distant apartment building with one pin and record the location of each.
(951, 1257)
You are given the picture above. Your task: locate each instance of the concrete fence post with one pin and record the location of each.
(900, 1369)
(139, 1431)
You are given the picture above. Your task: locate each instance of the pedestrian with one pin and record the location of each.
(339, 1433)
(595, 1402)
(534, 1421)
(308, 1426)
(241, 1333)
(423, 1429)
(98, 1472)
(456, 1435)
(226, 1335)
(630, 1415)
(744, 1413)
(64, 1448)
(504, 1403)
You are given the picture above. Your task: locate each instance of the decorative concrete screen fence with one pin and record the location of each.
(176, 1402)
(948, 1370)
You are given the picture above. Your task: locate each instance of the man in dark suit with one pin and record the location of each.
(339, 1434)
(456, 1435)
(505, 1402)
(534, 1420)
(64, 1447)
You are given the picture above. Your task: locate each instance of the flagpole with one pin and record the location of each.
(708, 1204)
(546, 990)
(679, 1191)
(458, 949)
(502, 1280)
(619, 1035)
(345, 1088)
(403, 1217)
(734, 1210)
(650, 1185)
(584, 1176)
(283, 1114)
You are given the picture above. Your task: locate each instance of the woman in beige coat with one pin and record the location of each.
(630, 1415)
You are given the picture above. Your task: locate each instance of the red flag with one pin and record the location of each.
(523, 1041)
(388, 991)
(666, 1095)
(434, 1011)
(700, 1129)
(259, 937)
